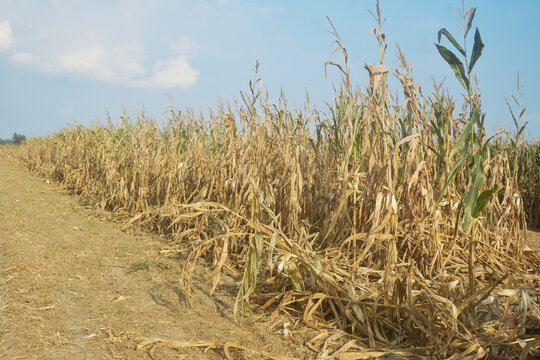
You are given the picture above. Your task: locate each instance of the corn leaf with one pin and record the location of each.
(462, 144)
(449, 36)
(483, 200)
(477, 49)
(472, 12)
(520, 132)
(458, 216)
(455, 64)
(470, 199)
(512, 113)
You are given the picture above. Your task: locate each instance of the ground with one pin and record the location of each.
(533, 239)
(75, 287)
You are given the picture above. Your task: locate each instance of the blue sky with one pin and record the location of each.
(71, 61)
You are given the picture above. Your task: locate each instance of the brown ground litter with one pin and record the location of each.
(75, 287)
(533, 240)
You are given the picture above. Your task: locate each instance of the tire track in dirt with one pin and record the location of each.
(75, 287)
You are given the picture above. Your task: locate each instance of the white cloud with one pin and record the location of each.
(170, 74)
(60, 37)
(122, 65)
(82, 61)
(119, 64)
(22, 58)
(183, 45)
(6, 36)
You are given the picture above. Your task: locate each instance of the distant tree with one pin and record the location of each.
(15, 139)
(18, 138)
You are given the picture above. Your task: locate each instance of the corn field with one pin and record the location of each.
(392, 224)
(529, 182)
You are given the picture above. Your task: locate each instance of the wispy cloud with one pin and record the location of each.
(6, 36)
(117, 64)
(122, 64)
(532, 117)
(89, 60)
(112, 51)
(183, 45)
(22, 58)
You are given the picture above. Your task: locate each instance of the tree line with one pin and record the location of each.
(15, 139)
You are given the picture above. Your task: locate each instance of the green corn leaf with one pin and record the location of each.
(462, 144)
(435, 130)
(515, 100)
(465, 135)
(455, 64)
(483, 200)
(453, 171)
(512, 113)
(522, 113)
(472, 11)
(458, 216)
(295, 281)
(477, 49)
(470, 198)
(449, 36)
(521, 130)
(435, 152)
(486, 143)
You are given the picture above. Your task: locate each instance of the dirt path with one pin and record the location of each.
(75, 287)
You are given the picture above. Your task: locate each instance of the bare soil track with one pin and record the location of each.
(76, 287)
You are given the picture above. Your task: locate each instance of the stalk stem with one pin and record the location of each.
(472, 280)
